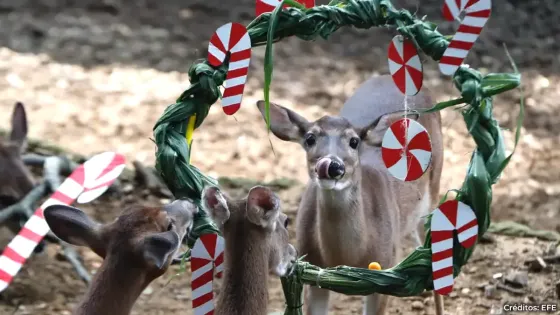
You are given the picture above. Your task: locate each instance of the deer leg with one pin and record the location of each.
(375, 304)
(317, 301)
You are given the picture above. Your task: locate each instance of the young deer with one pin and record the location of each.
(353, 211)
(256, 244)
(15, 179)
(137, 248)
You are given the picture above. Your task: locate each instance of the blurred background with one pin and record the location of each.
(96, 75)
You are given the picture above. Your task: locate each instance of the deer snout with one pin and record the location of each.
(329, 168)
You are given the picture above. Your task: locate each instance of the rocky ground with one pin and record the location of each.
(96, 75)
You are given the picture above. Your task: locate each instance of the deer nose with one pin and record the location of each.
(328, 168)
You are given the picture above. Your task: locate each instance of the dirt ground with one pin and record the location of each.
(96, 75)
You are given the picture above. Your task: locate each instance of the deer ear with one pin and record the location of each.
(159, 248)
(263, 207)
(373, 134)
(73, 226)
(19, 126)
(215, 204)
(285, 123)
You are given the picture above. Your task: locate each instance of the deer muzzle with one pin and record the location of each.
(329, 168)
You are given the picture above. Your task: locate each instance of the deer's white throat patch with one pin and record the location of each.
(333, 184)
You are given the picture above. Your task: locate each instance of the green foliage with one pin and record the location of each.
(414, 274)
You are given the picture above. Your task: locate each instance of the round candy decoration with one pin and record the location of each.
(405, 65)
(406, 149)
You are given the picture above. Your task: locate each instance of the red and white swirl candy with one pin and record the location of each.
(406, 149)
(232, 39)
(405, 65)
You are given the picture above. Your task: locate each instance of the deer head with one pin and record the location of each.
(258, 215)
(149, 236)
(331, 143)
(15, 179)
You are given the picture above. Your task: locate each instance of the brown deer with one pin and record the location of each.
(137, 248)
(15, 178)
(256, 244)
(353, 211)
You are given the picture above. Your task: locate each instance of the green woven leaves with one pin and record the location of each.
(414, 274)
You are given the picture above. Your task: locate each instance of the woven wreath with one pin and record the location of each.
(413, 275)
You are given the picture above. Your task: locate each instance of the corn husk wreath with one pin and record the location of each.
(413, 275)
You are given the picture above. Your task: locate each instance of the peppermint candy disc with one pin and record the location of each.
(406, 149)
(405, 65)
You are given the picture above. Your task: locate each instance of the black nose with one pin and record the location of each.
(336, 170)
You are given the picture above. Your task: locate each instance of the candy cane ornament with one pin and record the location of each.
(207, 257)
(406, 149)
(449, 216)
(265, 6)
(477, 13)
(405, 65)
(86, 183)
(232, 39)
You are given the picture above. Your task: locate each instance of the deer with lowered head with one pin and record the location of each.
(137, 247)
(353, 211)
(15, 178)
(256, 245)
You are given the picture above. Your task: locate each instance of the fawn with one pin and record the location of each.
(15, 179)
(353, 211)
(256, 244)
(137, 247)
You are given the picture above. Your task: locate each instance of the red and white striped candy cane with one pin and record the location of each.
(207, 257)
(264, 6)
(231, 38)
(449, 216)
(86, 183)
(477, 13)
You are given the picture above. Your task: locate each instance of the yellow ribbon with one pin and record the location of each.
(189, 133)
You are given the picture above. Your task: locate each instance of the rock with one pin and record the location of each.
(487, 239)
(490, 291)
(498, 275)
(537, 265)
(417, 305)
(148, 290)
(517, 279)
(465, 291)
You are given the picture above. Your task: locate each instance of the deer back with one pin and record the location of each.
(374, 98)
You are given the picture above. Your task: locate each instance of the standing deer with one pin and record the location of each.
(15, 179)
(256, 244)
(137, 248)
(353, 211)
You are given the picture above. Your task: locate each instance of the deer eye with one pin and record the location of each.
(170, 225)
(354, 142)
(310, 140)
(287, 222)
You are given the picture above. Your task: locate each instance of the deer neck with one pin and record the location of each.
(345, 204)
(245, 274)
(341, 221)
(114, 289)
